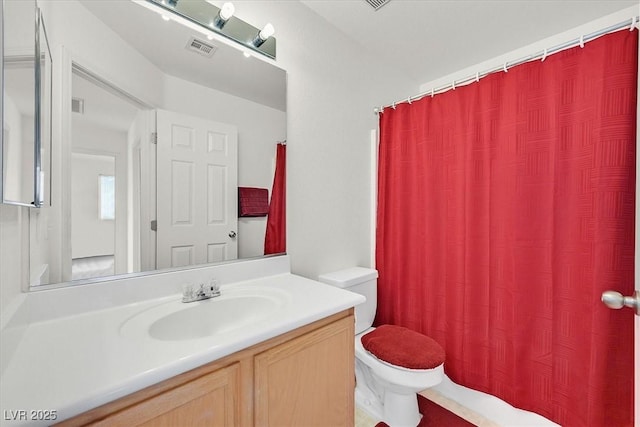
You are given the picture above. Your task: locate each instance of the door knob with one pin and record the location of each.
(616, 300)
(232, 234)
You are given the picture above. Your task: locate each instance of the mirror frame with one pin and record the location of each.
(43, 134)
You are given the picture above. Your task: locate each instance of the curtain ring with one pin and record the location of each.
(409, 100)
(582, 41)
(432, 92)
(453, 85)
(381, 109)
(505, 68)
(544, 55)
(477, 76)
(633, 23)
(393, 105)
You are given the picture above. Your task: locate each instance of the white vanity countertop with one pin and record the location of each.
(75, 363)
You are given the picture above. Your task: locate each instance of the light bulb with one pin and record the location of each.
(227, 11)
(223, 15)
(267, 31)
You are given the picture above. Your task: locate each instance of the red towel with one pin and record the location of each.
(253, 201)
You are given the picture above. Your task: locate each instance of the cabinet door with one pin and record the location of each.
(308, 381)
(211, 400)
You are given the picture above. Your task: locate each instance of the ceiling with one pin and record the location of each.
(429, 39)
(102, 107)
(425, 39)
(164, 44)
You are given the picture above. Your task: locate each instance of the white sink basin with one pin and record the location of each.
(174, 320)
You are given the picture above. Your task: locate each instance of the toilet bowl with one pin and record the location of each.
(396, 403)
(385, 390)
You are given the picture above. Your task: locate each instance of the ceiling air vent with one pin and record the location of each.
(77, 105)
(203, 48)
(377, 4)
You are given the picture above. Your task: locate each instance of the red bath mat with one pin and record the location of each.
(436, 416)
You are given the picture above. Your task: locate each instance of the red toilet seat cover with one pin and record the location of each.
(403, 347)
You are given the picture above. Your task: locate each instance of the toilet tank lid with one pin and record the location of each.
(349, 277)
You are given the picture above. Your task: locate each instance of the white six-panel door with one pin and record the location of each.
(197, 202)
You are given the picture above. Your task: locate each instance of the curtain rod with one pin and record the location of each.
(631, 23)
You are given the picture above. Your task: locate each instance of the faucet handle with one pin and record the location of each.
(188, 292)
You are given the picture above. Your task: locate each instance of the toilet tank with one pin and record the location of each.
(363, 281)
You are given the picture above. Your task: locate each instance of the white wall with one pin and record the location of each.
(93, 139)
(14, 252)
(537, 47)
(332, 88)
(90, 235)
(12, 151)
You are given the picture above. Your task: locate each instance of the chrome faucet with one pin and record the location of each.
(191, 293)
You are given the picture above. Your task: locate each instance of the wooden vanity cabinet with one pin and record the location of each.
(309, 380)
(304, 377)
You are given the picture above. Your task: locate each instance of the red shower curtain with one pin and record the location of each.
(505, 208)
(275, 240)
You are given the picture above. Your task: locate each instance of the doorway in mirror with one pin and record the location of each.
(197, 185)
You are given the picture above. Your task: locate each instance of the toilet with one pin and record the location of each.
(385, 387)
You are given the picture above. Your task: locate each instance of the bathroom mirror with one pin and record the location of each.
(123, 70)
(26, 83)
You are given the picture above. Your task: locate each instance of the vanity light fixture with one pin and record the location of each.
(263, 35)
(224, 15)
(212, 21)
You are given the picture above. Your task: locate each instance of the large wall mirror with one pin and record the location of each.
(26, 106)
(159, 126)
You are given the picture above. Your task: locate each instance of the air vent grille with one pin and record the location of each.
(203, 48)
(377, 4)
(77, 105)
